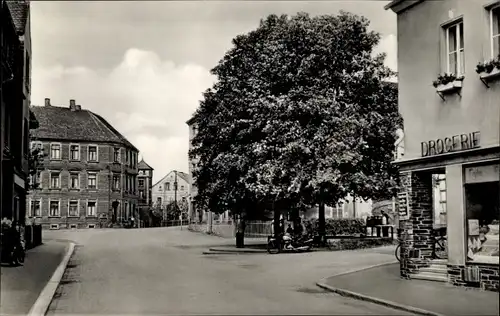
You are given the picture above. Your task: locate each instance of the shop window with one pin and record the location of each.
(482, 195)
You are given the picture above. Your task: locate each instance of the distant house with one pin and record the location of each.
(173, 186)
(89, 173)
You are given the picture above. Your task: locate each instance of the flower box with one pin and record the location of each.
(449, 87)
(495, 73)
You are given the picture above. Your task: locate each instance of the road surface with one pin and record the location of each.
(163, 271)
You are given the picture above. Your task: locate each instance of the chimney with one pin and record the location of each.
(72, 105)
(47, 102)
(78, 107)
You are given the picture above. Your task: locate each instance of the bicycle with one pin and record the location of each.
(440, 246)
(439, 249)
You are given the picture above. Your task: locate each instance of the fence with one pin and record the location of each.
(258, 229)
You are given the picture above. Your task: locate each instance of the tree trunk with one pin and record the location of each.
(321, 221)
(240, 233)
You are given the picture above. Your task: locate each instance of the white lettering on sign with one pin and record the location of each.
(480, 174)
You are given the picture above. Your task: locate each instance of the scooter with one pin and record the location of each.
(288, 244)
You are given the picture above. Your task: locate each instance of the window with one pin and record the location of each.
(141, 182)
(495, 31)
(482, 206)
(74, 181)
(55, 180)
(74, 152)
(92, 181)
(160, 188)
(55, 151)
(54, 208)
(116, 182)
(91, 208)
(141, 194)
(92, 153)
(167, 186)
(455, 49)
(36, 145)
(73, 208)
(116, 155)
(35, 208)
(182, 188)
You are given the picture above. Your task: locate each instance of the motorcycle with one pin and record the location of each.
(288, 244)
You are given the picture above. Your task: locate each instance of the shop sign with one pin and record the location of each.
(481, 174)
(450, 144)
(403, 206)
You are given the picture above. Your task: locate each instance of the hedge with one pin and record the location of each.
(353, 244)
(339, 227)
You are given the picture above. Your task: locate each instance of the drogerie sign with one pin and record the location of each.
(450, 144)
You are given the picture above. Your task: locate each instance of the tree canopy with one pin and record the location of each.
(301, 113)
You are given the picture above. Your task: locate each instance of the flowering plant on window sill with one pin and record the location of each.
(447, 83)
(489, 70)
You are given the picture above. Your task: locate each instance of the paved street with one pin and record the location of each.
(20, 286)
(162, 271)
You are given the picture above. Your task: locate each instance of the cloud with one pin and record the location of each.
(147, 99)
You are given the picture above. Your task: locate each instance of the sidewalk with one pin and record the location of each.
(384, 283)
(21, 286)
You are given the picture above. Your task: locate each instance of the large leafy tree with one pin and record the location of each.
(300, 114)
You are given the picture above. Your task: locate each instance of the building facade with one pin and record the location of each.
(174, 186)
(451, 137)
(88, 178)
(15, 113)
(145, 187)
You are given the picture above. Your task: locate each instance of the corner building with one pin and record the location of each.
(88, 178)
(452, 133)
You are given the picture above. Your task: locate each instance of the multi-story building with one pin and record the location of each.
(15, 86)
(451, 137)
(89, 172)
(145, 185)
(172, 187)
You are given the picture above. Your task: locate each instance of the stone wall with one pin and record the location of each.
(482, 276)
(416, 230)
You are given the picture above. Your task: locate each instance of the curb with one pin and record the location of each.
(241, 250)
(322, 284)
(45, 298)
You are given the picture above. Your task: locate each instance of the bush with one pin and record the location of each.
(339, 227)
(353, 244)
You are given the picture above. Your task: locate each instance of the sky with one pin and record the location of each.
(143, 65)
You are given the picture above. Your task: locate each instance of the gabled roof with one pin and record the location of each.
(144, 166)
(61, 123)
(180, 174)
(19, 11)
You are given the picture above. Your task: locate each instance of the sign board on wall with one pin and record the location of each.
(481, 174)
(403, 206)
(450, 144)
